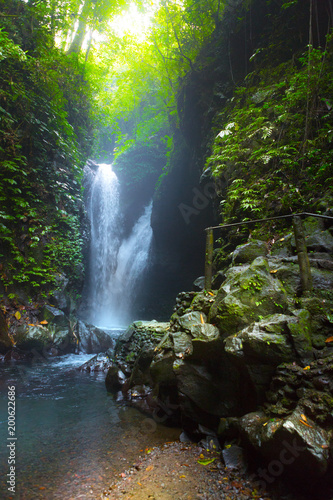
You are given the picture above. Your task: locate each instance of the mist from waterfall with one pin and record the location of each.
(116, 264)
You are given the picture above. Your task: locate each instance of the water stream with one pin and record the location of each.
(72, 436)
(116, 264)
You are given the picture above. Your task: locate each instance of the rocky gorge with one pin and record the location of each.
(248, 362)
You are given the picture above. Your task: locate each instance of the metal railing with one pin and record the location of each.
(303, 259)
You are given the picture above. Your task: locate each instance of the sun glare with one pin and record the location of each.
(133, 22)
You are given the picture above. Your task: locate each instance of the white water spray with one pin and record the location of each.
(115, 266)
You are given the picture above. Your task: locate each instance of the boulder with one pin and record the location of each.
(248, 293)
(207, 391)
(99, 363)
(55, 316)
(46, 339)
(250, 251)
(92, 339)
(259, 348)
(182, 343)
(293, 445)
(140, 373)
(199, 283)
(115, 379)
(203, 301)
(190, 319)
(30, 338)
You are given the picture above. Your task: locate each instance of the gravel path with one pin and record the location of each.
(172, 472)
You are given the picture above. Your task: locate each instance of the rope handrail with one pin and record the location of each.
(269, 218)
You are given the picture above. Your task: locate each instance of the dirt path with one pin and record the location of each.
(172, 472)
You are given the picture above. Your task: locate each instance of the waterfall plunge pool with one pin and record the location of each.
(72, 436)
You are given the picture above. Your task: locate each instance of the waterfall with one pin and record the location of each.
(116, 264)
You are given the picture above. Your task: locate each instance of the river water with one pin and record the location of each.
(73, 438)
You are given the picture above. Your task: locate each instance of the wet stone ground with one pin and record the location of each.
(181, 471)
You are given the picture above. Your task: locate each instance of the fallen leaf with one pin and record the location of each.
(139, 484)
(17, 315)
(150, 467)
(304, 423)
(42, 488)
(206, 461)
(330, 339)
(182, 476)
(44, 322)
(31, 324)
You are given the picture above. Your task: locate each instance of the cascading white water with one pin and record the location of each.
(115, 266)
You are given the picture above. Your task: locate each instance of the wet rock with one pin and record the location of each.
(248, 293)
(60, 297)
(99, 363)
(190, 319)
(320, 241)
(17, 354)
(141, 370)
(199, 283)
(115, 379)
(262, 346)
(161, 370)
(29, 338)
(55, 316)
(202, 302)
(294, 444)
(284, 247)
(92, 339)
(234, 457)
(182, 343)
(203, 391)
(204, 331)
(249, 252)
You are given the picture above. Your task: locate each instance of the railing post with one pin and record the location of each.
(302, 254)
(209, 259)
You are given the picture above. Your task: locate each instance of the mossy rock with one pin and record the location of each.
(55, 316)
(161, 370)
(188, 320)
(182, 343)
(246, 296)
(301, 336)
(29, 338)
(202, 302)
(249, 252)
(265, 342)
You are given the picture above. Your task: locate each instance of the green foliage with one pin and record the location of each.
(45, 138)
(273, 146)
(138, 95)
